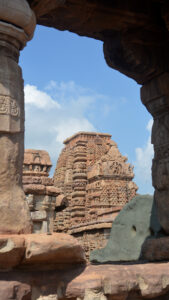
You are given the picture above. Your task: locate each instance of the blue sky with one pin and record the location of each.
(69, 87)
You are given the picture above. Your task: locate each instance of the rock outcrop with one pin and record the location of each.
(136, 223)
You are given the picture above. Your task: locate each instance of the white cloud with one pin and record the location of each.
(143, 163)
(64, 130)
(39, 98)
(55, 114)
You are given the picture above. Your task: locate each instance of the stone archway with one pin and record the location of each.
(136, 43)
(135, 36)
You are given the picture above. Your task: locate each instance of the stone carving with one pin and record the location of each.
(9, 106)
(97, 181)
(16, 17)
(42, 197)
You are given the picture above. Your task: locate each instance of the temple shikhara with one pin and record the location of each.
(97, 181)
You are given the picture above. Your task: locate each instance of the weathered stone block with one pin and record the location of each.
(12, 251)
(39, 215)
(52, 249)
(156, 249)
(15, 290)
(162, 201)
(135, 223)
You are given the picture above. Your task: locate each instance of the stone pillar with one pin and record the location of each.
(155, 96)
(16, 28)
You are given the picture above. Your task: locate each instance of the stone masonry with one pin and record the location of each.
(97, 181)
(43, 198)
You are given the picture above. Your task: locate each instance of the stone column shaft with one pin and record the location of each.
(155, 96)
(14, 33)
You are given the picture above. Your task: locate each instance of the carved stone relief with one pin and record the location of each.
(100, 184)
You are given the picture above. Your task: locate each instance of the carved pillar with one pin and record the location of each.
(155, 96)
(79, 183)
(16, 28)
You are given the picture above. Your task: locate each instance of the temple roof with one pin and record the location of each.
(36, 157)
(86, 134)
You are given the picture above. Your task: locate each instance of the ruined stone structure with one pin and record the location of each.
(97, 181)
(135, 35)
(42, 197)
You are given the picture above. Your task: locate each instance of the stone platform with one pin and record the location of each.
(92, 282)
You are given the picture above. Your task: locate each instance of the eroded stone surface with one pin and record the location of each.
(52, 249)
(133, 282)
(46, 251)
(155, 96)
(14, 290)
(15, 19)
(156, 249)
(135, 223)
(18, 13)
(12, 250)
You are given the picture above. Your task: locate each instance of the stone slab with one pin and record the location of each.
(57, 248)
(39, 249)
(136, 222)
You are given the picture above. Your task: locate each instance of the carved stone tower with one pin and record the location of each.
(97, 181)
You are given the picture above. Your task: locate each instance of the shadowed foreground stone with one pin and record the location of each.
(156, 249)
(12, 251)
(108, 282)
(134, 224)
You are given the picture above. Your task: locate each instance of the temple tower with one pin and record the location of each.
(100, 184)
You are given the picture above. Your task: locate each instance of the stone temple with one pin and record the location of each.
(40, 266)
(42, 197)
(97, 181)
